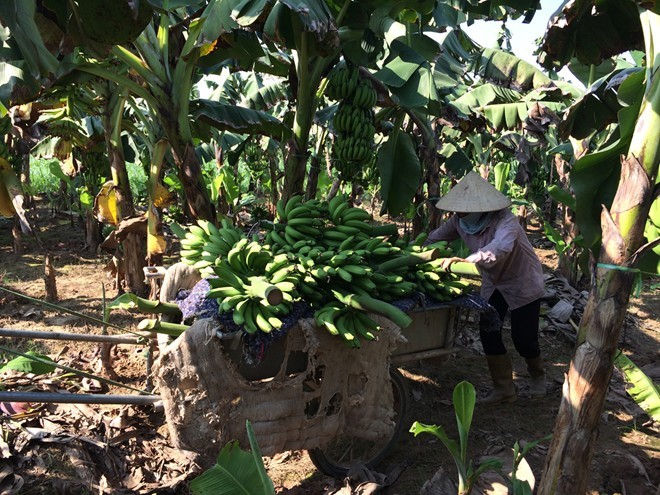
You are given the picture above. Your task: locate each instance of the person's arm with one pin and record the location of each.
(497, 250)
(446, 232)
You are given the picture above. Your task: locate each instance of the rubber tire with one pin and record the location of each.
(337, 469)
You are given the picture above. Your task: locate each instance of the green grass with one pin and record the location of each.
(43, 182)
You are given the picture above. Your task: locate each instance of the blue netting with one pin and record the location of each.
(472, 301)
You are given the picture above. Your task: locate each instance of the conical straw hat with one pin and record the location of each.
(473, 194)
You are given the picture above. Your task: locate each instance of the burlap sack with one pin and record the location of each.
(338, 390)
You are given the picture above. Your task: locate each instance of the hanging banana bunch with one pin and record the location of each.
(353, 120)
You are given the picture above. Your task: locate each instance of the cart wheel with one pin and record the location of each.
(337, 458)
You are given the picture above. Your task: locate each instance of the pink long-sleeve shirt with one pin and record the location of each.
(504, 256)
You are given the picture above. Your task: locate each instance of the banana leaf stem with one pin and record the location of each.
(63, 309)
(71, 370)
(76, 337)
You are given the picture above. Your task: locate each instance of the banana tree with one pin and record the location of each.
(496, 94)
(76, 139)
(267, 93)
(367, 33)
(621, 245)
(26, 66)
(165, 86)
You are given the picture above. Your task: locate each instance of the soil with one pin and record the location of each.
(125, 449)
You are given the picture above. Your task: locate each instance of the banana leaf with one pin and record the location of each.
(236, 472)
(483, 95)
(464, 400)
(595, 176)
(25, 364)
(456, 160)
(218, 20)
(264, 97)
(403, 63)
(510, 71)
(19, 17)
(499, 9)
(599, 106)
(241, 47)
(512, 115)
(288, 21)
(170, 5)
(15, 79)
(587, 74)
(591, 32)
(642, 389)
(238, 119)
(400, 172)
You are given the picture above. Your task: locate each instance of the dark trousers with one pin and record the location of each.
(524, 327)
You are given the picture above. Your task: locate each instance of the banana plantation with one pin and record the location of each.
(215, 270)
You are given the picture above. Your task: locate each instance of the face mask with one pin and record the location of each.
(473, 223)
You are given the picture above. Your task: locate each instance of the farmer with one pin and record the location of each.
(512, 279)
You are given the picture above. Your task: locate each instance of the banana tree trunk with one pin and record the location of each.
(92, 232)
(134, 247)
(315, 166)
(429, 158)
(308, 73)
(198, 201)
(585, 388)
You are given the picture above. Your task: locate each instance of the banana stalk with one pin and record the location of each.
(459, 268)
(129, 300)
(261, 288)
(410, 260)
(387, 229)
(174, 329)
(370, 304)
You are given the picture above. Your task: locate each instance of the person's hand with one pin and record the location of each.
(447, 262)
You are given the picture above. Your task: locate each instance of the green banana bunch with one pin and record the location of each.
(299, 222)
(353, 121)
(349, 120)
(255, 286)
(353, 149)
(349, 324)
(342, 82)
(255, 316)
(203, 244)
(365, 95)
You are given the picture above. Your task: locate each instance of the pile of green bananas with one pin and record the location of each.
(246, 277)
(353, 120)
(327, 254)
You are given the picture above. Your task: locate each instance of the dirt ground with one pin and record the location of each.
(120, 449)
